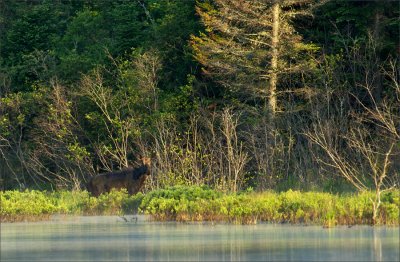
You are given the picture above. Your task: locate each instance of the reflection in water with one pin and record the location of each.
(110, 238)
(377, 250)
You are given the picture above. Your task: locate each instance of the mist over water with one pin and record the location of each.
(107, 238)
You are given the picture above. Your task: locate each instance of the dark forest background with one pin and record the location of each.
(229, 93)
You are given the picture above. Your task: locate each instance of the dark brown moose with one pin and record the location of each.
(130, 178)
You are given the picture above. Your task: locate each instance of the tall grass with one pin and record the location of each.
(202, 204)
(33, 205)
(197, 203)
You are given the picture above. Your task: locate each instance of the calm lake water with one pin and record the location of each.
(112, 238)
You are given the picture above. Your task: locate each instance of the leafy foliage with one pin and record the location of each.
(204, 204)
(89, 86)
(39, 205)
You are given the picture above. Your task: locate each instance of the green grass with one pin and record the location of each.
(194, 203)
(199, 204)
(31, 205)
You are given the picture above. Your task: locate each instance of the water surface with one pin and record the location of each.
(113, 238)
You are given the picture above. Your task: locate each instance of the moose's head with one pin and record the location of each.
(146, 161)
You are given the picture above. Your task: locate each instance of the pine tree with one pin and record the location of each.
(251, 47)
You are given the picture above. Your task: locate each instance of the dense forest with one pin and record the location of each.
(232, 94)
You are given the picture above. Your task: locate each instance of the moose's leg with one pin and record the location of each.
(130, 189)
(97, 191)
(107, 188)
(92, 188)
(102, 187)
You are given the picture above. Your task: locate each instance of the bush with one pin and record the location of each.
(200, 203)
(17, 205)
(39, 205)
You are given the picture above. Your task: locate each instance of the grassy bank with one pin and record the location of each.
(203, 204)
(39, 205)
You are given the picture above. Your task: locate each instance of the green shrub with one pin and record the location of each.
(34, 205)
(17, 205)
(200, 203)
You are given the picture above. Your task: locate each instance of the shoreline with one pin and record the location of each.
(201, 204)
(145, 219)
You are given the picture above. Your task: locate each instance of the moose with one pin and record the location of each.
(130, 178)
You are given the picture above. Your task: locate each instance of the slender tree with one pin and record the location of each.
(250, 47)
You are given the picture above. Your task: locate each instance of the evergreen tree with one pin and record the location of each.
(252, 48)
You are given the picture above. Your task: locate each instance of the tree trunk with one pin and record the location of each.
(376, 72)
(376, 204)
(274, 60)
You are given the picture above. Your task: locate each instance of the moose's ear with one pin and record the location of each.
(146, 161)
